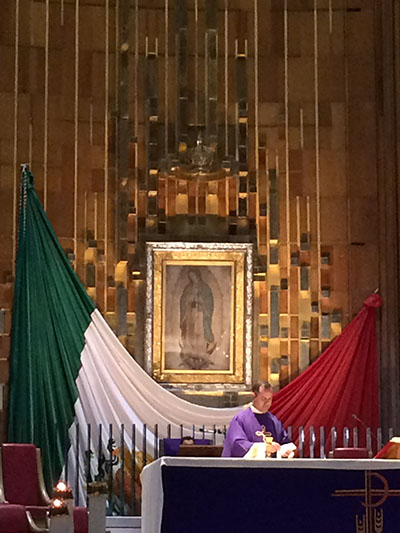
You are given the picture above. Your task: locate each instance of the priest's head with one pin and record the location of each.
(187, 441)
(262, 395)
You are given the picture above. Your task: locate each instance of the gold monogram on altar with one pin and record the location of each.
(270, 446)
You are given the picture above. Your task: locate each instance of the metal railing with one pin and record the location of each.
(107, 454)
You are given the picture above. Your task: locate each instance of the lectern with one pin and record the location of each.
(199, 450)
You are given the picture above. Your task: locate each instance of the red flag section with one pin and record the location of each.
(341, 383)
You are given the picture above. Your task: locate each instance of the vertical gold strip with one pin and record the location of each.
(46, 104)
(135, 105)
(85, 207)
(135, 85)
(106, 96)
(236, 134)
(62, 13)
(256, 119)
(298, 220)
(286, 88)
(226, 97)
(76, 131)
(196, 83)
(301, 128)
(274, 344)
(91, 122)
(196, 61)
(196, 95)
(166, 51)
(15, 142)
(317, 163)
(330, 16)
(95, 215)
(267, 201)
(85, 214)
(116, 123)
(236, 110)
(117, 50)
(30, 148)
(226, 79)
(256, 331)
(205, 81)
(287, 176)
(347, 143)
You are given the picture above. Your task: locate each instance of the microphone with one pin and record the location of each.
(365, 425)
(359, 420)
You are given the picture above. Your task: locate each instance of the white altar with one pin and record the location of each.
(198, 494)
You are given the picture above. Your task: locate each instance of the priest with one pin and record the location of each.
(248, 426)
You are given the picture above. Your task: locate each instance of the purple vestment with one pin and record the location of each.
(242, 432)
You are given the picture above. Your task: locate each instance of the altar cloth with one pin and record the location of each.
(198, 495)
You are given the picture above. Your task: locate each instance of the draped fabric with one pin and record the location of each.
(113, 387)
(341, 385)
(51, 312)
(67, 366)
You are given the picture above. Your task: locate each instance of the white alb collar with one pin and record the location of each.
(255, 410)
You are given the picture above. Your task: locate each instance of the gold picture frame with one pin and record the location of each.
(199, 309)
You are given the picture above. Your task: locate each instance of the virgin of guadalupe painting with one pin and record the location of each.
(198, 337)
(198, 314)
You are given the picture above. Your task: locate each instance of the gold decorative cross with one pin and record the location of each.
(268, 440)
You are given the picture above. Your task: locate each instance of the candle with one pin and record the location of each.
(64, 492)
(59, 516)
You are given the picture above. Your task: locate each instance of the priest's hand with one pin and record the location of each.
(287, 453)
(273, 447)
(287, 450)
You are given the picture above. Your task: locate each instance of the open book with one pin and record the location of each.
(257, 451)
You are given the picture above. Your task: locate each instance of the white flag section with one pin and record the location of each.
(114, 389)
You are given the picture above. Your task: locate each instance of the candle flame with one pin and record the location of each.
(61, 486)
(57, 503)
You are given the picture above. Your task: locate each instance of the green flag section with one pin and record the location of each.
(51, 312)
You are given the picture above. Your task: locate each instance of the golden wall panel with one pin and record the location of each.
(364, 220)
(314, 281)
(5, 345)
(294, 358)
(263, 298)
(334, 219)
(333, 173)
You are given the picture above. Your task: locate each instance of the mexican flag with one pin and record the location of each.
(68, 369)
(52, 313)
